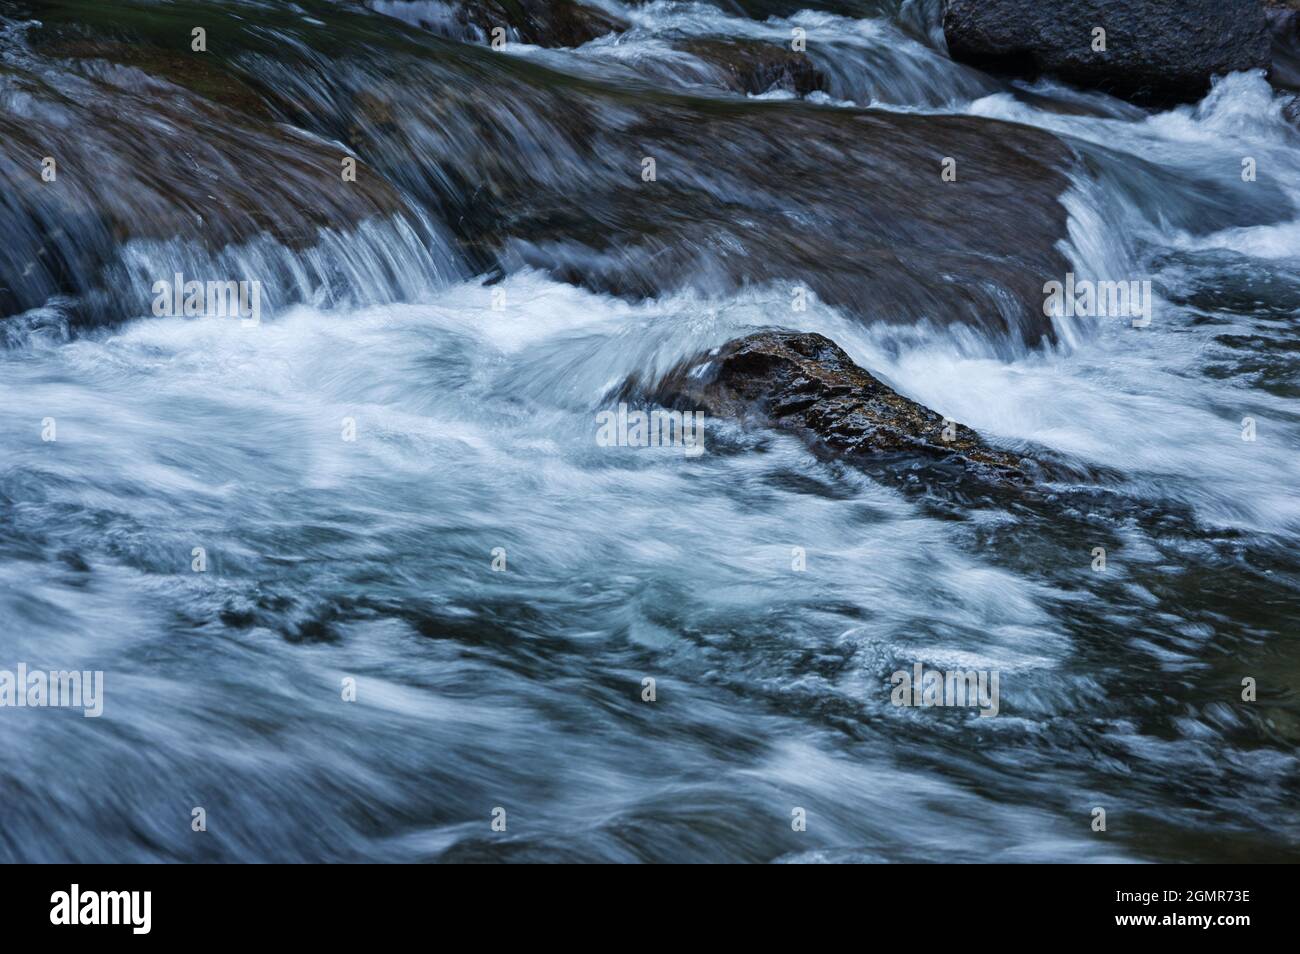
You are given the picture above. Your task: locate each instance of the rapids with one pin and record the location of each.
(472, 372)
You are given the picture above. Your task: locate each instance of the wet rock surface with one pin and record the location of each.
(747, 194)
(806, 383)
(763, 9)
(755, 67)
(549, 23)
(626, 190)
(110, 122)
(1155, 51)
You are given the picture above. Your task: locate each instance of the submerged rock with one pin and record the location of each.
(684, 193)
(549, 23)
(806, 383)
(1154, 50)
(765, 9)
(753, 66)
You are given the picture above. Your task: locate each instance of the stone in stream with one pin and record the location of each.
(1156, 51)
(806, 383)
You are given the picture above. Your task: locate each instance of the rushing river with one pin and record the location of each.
(395, 485)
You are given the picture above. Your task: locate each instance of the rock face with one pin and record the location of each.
(1155, 50)
(806, 383)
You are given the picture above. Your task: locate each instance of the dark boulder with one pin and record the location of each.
(1156, 51)
(806, 383)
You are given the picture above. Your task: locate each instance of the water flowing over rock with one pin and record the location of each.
(757, 67)
(615, 189)
(102, 202)
(541, 22)
(746, 194)
(763, 9)
(1153, 50)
